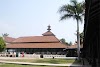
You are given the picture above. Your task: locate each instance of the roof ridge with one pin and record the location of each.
(48, 33)
(31, 36)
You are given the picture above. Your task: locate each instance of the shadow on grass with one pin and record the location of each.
(76, 63)
(20, 65)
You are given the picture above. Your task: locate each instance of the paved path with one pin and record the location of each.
(46, 64)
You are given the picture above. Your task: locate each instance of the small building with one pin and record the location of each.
(45, 44)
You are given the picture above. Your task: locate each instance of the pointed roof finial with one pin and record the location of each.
(48, 33)
(49, 28)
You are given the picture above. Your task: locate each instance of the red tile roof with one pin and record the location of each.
(37, 42)
(48, 40)
(37, 39)
(48, 33)
(75, 46)
(36, 45)
(9, 39)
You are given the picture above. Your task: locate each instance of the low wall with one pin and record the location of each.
(32, 55)
(37, 56)
(44, 56)
(54, 56)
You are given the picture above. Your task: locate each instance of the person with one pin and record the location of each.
(22, 54)
(41, 56)
(53, 57)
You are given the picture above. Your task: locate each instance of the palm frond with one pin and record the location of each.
(67, 9)
(80, 19)
(63, 8)
(74, 10)
(77, 17)
(71, 9)
(66, 16)
(79, 8)
(73, 2)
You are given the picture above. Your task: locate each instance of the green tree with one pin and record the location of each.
(5, 35)
(73, 10)
(63, 41)
(70, 43)
(81, 37)
(2, 44)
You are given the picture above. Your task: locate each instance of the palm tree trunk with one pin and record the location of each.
(78, 41)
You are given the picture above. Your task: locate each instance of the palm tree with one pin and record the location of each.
(74, 10)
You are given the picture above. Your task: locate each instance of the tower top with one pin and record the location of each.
(48, 33)
(49, 28)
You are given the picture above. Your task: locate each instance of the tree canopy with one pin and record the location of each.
(5, 34)
(74, 10)
(2, 44)
(64, 42)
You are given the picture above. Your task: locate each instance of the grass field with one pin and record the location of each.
(54, 61)
(16, 65)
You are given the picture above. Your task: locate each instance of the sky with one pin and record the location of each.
(31, 17)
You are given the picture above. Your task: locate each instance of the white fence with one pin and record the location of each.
(32, 55)
(54, 56)
(35, 56)
(48, 56)
(44, 56)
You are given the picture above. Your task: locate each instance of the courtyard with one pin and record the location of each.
(30, 62)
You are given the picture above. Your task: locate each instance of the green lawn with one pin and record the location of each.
(54, 61)
(15, 65)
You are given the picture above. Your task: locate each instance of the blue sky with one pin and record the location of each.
(31, 18)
